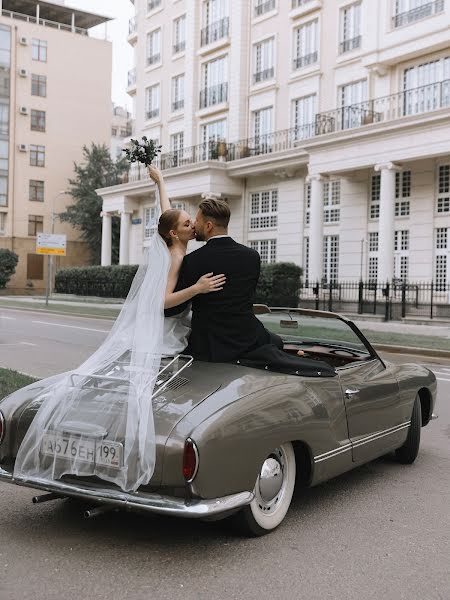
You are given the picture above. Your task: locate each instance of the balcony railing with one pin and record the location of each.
(215, 31)
(263, 75)
(420, 100)
(352, 44)
(418, 13)
(153, 59)
(179, 47)
(132, 77)
(303, 61)
(177, 105)
(298, 3)
(152, 114)
(214, 95)
(132, 26)
(152, 4)
(264, 7)
(45, 22)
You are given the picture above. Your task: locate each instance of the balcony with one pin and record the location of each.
(132, 26)
(44, 22)
(152, 114)
(177, 105)
(215, 94)
(418, 13)
(153, 59)
(179, 47)
(352, 44)
(264, 7)
(299, 3)
(303, 61)
(132, 77)
(215, 31)
(264, 75)
(152, 4)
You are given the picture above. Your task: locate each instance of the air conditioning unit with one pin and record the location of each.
(22, 147)
(23, 110)
(23, 72)
(23, 41)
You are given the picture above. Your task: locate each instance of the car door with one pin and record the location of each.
(374, 415)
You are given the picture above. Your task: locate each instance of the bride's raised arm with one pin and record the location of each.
(156, 175)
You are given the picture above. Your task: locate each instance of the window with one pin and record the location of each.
(330, 258)
(375, 188)
(3, 190)
(37, 156)
(373, 268)
(410, 11)
(178, 205)
(2, 223)
(114, 131)
(262, 130)
(267, 250)
(154, 47)
(401, 254)
(263, 6)
(36, 191)
(350, 28)
(179, 34)
(263, 60)
(306, 44)
(35, 224)
(443, 199)
(306, 260)
(39, 50)
(150, 224)
(152, 4)
(177, 92)
(402, 191)
(176, 147)
(212, 133)
(5, 46)
(307, 203)
(37, 120)
(331, 200)
(304, 117)
(355, 107)
(38, 85)
(215, 21)
(152, 101)
(214, 82)
(4, 118)
(373, 255)
(426, 86)
(4, 156)
(441, 258)
(35, 266)
(263, 209)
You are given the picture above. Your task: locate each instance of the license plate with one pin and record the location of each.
(104, 453)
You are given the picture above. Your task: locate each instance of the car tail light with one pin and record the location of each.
(190, 460)
(2, 427)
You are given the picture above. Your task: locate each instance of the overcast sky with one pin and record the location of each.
(117, 32)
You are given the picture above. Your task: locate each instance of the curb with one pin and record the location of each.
(412, 350)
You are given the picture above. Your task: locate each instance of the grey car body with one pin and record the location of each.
(237, 418)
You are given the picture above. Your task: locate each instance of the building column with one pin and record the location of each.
(386, 226)
(316, 229)
(106, 239)
(124, 249)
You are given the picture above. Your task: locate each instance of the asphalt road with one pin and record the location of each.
(379, 532)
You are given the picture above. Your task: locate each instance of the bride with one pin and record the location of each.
(176, 229)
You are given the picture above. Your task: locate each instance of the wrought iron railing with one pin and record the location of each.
(132, 26)
(215, 31)
(152, 114)
(303, 61)
(153, 59)
(214, 95)
(352, 44)
(179, 47)
(152, 4)
(264, 7)
(132, 77)
(269, 142)
(418, 13)
(298, 3)
(45, 22)
(177, 105)
(263, 75)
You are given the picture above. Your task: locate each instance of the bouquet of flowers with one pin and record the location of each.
(144, 152)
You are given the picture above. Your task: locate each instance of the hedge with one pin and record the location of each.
(279, 283)
(8, 264)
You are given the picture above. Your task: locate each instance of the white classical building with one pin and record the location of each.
(324, 123)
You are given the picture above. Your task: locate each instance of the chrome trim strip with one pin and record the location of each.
(194, 445)
(333, 452)
(156, 503)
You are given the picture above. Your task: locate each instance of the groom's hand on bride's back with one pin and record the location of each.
(210, 283)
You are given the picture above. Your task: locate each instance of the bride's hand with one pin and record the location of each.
(210, 283)
(155, 174)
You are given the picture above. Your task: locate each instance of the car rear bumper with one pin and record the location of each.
(155, 503)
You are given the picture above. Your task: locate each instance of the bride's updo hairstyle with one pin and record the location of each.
(168, 222)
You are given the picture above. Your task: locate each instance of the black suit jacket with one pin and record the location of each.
(223, 324)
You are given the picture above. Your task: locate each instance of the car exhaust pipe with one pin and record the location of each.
(45, 498)
(97, 511)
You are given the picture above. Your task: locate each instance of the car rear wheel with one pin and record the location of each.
(273, 493)
(407, 453)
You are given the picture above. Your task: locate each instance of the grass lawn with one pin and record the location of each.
(10, 381)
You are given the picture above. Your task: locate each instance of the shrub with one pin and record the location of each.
(106, 282)
(8, 264)
(279, 285)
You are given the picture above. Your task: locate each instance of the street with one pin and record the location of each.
(378, 532)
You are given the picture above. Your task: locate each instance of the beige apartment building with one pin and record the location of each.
(325, 123)
(55, 96)
(121, 128)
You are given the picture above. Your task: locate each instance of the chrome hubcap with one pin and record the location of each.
(271, 482)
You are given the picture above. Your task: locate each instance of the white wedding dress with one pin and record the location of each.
(176, 333)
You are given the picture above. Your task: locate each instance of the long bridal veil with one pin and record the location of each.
(98, 420)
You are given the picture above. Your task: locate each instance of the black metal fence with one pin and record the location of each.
(392, 301)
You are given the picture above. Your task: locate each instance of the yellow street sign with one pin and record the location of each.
(53, 251)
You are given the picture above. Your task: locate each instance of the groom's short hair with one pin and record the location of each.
(216, 210)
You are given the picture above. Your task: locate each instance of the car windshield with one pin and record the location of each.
(304, 330)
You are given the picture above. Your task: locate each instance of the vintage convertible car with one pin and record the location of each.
(232, 440)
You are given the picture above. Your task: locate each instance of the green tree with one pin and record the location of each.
(97, 171)
(8, 264)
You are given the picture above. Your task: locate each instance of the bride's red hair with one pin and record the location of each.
(168, 222)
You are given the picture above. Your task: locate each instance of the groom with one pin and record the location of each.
(224, 327)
